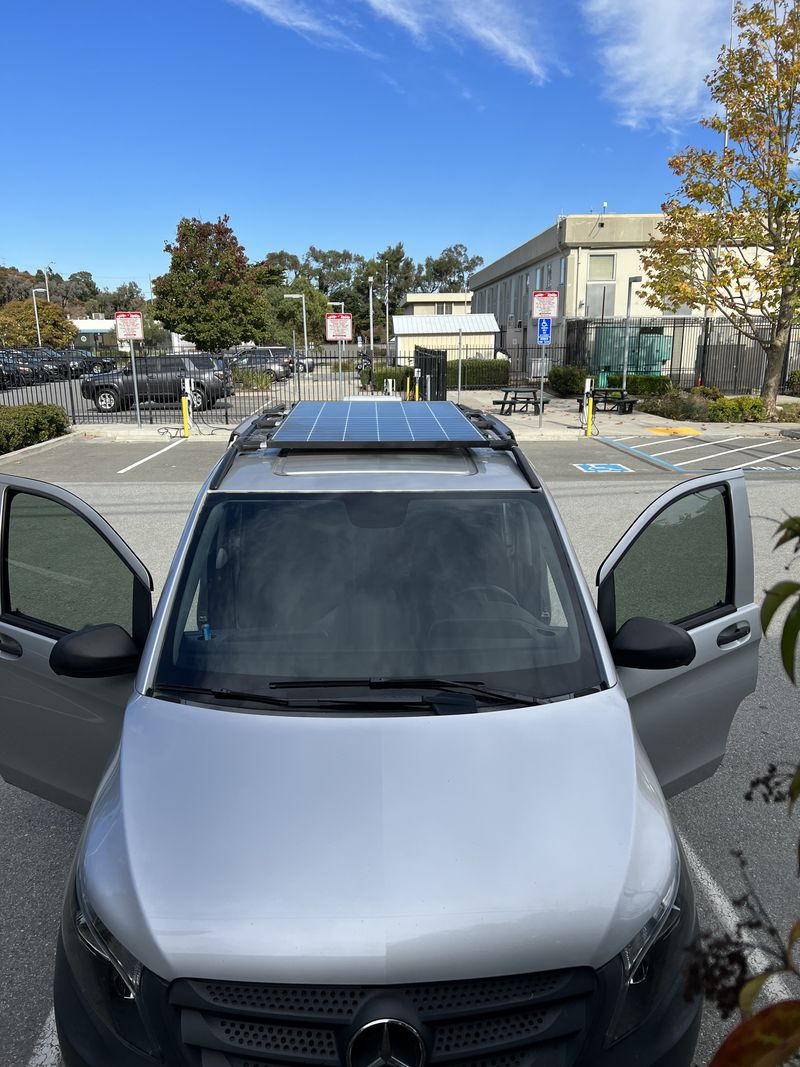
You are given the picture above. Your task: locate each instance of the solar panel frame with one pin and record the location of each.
(363, 424)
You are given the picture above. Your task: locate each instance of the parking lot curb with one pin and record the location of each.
(39, 446)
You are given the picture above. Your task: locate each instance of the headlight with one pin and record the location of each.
(666, 916)
(99, 939)
(651, 961)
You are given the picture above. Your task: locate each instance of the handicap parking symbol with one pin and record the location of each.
(603, 468)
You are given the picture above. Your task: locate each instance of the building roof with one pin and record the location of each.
(405, 325)
(94, 325)
(435, 298)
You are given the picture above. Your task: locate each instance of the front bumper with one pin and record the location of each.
(666, 1039)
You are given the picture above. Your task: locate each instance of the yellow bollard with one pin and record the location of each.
(589, 404)
(185, 410)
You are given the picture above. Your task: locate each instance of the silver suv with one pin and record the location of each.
(378, 786)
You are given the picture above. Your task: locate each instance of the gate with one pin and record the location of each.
(432, 365)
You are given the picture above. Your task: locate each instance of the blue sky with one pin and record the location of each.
(345, 125)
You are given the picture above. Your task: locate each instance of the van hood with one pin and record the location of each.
(331, 848)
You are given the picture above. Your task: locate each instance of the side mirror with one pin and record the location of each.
(95, 652)
(650, 645)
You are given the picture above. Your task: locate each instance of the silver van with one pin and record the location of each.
(379, 785)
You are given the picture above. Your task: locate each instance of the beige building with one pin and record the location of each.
(589, 259)
(477, 334)
(437, 304)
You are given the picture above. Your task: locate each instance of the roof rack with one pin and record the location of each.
(324, 426)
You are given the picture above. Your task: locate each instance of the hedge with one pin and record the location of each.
(642, 384)
(29, 424)
(566, 381)
(475, 374)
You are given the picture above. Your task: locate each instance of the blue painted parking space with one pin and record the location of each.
(702, 454)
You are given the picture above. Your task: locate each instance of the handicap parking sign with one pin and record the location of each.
(543, 337)
(603, 468)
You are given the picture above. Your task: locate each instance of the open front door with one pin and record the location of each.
(688, 560)
(63, 568)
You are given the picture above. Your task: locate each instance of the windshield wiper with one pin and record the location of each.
(477, 689)
(443, 705)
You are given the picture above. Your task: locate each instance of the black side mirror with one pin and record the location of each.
(651, 645)
(95, 652)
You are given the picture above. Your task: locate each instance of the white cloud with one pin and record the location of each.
(655, 54)
(315, 25)
(504, 28)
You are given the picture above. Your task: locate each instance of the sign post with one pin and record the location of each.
(339, 327)
(544, 307)
(131, 328)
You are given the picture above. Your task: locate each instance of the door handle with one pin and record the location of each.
(733, 633)
(9, 646)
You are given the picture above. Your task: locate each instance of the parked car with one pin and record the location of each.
(273, 361)
(95, 362)
(10, 376)
(160, 380)
(378, 784)
(35, 368)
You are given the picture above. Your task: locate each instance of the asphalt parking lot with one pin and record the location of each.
(693, 453)
(145, 489)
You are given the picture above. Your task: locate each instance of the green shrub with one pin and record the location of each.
(253, 379)
(29, 424)
(566, 381)
(642, 384)
(789, 413)
(708, 392)
(793, 383)
(675, 405)
(478, 373)
(737, 409)
(381, 372)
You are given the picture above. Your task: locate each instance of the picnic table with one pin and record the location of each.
(519, 398)
(610, 399)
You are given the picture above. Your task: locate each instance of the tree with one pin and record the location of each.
(448, 272)
(18, 325)
(15, 284)
(331, 271)
(207, 295)
(730, 237)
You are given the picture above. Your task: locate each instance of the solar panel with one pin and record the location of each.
(369, 423)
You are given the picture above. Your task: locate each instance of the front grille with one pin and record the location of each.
(532, 1020)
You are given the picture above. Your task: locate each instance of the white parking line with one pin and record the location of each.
(776, 988)
(703, 444)
(727, 452)
(160, 452)
(46, 1052)
(772, 455)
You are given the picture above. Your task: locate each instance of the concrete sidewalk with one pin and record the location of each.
(560, 421)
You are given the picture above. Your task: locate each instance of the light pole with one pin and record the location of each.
(371, 328)
(47, 282)
(40, 289)
(333, 304)
(300, 296)
(627, 341)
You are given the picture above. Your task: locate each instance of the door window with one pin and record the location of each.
(60, 572)
(679, 568)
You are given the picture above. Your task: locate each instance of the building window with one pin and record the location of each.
(562, 277)
(601, 268)
(538, 282)
(549, 275)
(444, 307)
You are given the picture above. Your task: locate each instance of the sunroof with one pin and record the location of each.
(361, 423)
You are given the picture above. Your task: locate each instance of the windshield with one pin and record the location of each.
(311, 587)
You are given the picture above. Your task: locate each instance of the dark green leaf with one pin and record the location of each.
(773, 599)
(791, 628)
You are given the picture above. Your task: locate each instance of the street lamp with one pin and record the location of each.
(300, 296)
(626, 345)
(39, 289)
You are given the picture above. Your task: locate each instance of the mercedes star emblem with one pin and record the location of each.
(386, 1043)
